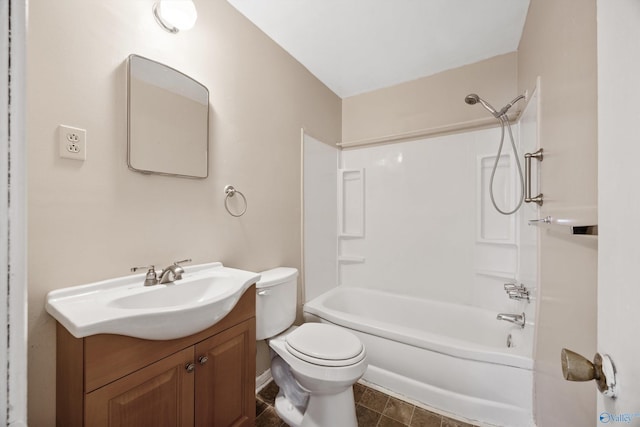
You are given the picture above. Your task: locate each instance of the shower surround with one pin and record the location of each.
(415, 227)
(415, 218)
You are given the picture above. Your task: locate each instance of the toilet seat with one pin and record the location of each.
(324, 345)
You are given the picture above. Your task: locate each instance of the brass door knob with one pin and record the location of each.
(576, 367)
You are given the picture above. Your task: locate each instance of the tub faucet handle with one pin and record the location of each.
(520, 296)
(514, 286)
(517, 292)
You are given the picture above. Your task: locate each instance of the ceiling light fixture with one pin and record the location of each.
(175, 15)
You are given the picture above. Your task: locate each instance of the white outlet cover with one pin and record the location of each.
(72, 142)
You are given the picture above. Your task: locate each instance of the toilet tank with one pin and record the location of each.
(276, 297)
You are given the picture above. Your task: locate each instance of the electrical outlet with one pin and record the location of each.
(72, 142)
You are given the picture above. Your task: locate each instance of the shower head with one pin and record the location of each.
(473, 99)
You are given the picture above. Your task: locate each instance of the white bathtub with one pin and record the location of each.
(450, 357)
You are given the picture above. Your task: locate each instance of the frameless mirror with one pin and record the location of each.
(168, 121)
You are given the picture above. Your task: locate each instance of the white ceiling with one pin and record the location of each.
(355, 46)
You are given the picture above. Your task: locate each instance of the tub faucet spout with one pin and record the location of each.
(516, 319)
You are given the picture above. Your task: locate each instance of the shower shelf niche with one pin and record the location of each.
(351, 203)
(351, 219)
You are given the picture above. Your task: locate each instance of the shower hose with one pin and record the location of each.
(504, 121)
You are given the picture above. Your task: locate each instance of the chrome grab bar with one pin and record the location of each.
(527, 177)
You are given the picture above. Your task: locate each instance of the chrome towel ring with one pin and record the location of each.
(229, 192)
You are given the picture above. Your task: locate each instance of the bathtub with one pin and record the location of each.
(448, 357)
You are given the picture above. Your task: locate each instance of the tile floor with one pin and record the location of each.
(373, 409)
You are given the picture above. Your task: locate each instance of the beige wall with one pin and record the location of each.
(559, 45)
(94, 220)
(432, 101)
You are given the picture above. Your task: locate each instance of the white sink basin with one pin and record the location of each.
(174, 295)
(124, 306)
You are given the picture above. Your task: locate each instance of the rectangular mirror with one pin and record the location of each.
(168, 121)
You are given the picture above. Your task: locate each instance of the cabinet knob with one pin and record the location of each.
(203, 359)
(190, 367)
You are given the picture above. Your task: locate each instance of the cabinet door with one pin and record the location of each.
(225, 380)
(158, 395)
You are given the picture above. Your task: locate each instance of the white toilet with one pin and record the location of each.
(315, 365)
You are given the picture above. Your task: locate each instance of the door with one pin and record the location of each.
(159, 395)
(13, 218)
(619, 206)
(225, 378)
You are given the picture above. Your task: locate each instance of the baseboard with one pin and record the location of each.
(262, 380)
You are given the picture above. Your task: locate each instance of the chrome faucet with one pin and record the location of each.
(173, 272)
(516, 319)
(168, 275)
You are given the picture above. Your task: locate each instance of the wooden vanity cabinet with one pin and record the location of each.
(160, 394)
(206, 379)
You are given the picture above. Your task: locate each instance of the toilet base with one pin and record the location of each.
(287, 411)
(323, 410)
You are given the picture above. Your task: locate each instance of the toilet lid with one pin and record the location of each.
(325, 344)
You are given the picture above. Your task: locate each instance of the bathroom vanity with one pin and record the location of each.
(204, 379)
